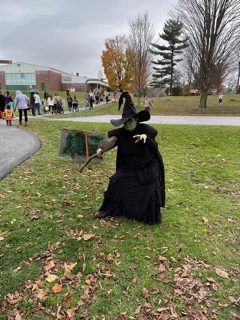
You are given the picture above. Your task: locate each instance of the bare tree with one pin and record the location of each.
(140, 36)
(238, 71)
(212, 27)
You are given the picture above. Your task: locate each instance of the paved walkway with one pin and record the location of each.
(185, 120)
(16, 145)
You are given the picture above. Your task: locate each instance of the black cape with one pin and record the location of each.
(137, 189)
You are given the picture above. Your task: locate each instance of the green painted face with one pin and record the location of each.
(131, 124)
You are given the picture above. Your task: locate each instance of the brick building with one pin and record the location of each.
(26, 76)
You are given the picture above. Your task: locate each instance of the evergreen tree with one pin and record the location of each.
(168, 56)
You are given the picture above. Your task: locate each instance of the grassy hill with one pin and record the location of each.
(182, 105)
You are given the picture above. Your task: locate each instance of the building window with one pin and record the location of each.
(20, 78)
(19, 65)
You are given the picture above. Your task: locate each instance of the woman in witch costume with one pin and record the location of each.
(137, 189)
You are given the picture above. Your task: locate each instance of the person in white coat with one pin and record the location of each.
(22, 103)
(37, 104)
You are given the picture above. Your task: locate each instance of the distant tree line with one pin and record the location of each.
(199, 47)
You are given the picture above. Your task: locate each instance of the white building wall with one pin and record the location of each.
(69, 78)
(20, 67)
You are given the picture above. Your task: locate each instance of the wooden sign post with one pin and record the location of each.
(80, 145)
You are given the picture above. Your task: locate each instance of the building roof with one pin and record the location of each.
(24, 67)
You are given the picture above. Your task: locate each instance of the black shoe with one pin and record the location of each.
(103, 214)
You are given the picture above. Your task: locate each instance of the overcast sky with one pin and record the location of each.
(69, 35)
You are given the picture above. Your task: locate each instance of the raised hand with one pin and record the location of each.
(140, 137)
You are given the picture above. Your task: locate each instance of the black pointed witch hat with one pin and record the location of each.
(129, 111)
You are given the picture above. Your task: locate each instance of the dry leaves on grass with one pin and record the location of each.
(42, 293)
(34, 214)
(196, 295)
(112, 257)
(2, 196)
(3, 235)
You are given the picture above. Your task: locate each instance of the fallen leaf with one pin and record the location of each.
(42, 293)
(17, 269)
(51, 277)
(67, 300)
(18, 316)
(145, 293)
(88, 236)
(234, 315)
(71, 313)
(109, 292)
(57, 288)
(205, 220)
(49, 266)
(173, 312)
(2, 196)
(221, 273)
(162, 309)
(135, 280)
(70, 266)
(138, 309)
(232, 299)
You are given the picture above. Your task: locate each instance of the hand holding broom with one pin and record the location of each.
(104, 145)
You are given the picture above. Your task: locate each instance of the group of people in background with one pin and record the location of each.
(51, 104)
(96, 96)
(7, 107)
(73, 103)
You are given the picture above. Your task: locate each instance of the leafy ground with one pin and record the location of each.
(58, 262)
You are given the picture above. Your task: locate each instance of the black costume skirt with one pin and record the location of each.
(130, 196)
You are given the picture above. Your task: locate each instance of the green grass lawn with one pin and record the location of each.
(176, 106)
(58, 262)
(166, 106)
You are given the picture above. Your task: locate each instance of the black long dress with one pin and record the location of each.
(137, 189)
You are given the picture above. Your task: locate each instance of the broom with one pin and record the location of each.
(105, 145)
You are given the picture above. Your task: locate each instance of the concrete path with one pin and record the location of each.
(185, 120)
(16, 145)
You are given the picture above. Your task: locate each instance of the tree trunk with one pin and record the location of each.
(203, 100)
(238, 77)
(138, 96)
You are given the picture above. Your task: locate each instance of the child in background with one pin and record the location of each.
(148, 103)
(50, 103)
(45, 106)
(8, 115)
(220, 99)
(75, 104)
(11, 105)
